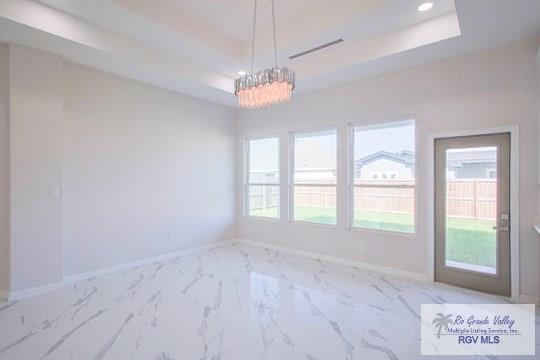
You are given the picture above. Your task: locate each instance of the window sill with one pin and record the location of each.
(383, 232)
(328, 226)
(262, 218)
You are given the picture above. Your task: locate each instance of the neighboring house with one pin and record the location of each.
(315, 176)
(472, 164)
(384, 165)
(468, 164)
(302, 175)
(266, 176)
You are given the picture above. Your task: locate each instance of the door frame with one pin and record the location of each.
(514, 197)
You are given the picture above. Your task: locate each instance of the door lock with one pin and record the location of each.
(502, 228)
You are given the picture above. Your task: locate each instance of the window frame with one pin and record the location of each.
(291, 184)
(351, 185)
(247, 184)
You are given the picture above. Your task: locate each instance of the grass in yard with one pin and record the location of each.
(317, 215)
(310, 214)
(268, 212)
(468, 241)
(471, 241)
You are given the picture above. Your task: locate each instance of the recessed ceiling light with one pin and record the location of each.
(425, 6)
(241, 73)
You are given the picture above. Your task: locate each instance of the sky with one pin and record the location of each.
(369, 141)
(264, 154)
(318, 150)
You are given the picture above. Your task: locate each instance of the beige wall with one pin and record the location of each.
(146, 171)
(35, 167)
(491, 88)
(105, 170)
(4, 168)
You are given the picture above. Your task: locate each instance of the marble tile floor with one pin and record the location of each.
(234, 302)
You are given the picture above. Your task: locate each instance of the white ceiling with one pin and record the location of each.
(197, 46)
(234, 18)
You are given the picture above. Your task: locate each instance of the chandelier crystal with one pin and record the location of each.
(266, 87)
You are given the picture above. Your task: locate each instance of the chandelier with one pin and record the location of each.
(266, 87)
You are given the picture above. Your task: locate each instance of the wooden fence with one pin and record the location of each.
(387, 199)
(324, 197)
(264, 197)
(474, 198)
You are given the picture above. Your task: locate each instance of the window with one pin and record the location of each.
(262, 178)
(313, 185)
(384, 177)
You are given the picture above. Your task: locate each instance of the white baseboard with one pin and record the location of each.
(22, 294)
(26, 293)
(129, 265)
(337, 260)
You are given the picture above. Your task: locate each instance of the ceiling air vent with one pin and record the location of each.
(320, 47)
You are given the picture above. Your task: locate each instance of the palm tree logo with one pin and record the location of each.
(441, 322)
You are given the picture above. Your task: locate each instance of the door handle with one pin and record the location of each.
(502, 228)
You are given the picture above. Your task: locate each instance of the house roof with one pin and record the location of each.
(459, 158)
(404, 157)
(454, 158)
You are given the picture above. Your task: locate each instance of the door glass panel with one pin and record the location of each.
(471, 209)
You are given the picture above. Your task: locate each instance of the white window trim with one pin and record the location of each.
(380, 124)
(291, 184)
(246, 184)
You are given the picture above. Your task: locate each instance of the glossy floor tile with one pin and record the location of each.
(230, 303)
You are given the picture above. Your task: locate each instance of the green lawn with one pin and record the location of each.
(314, 214)
(468, 241)
(269, 212)
(471, 242)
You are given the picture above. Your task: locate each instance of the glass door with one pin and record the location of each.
(472, 222)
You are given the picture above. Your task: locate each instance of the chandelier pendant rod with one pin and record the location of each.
(274, 32)
(253, 35)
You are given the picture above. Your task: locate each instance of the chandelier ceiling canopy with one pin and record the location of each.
(266, 87)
